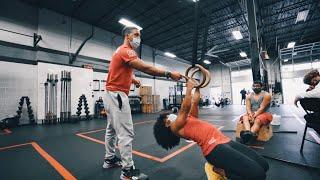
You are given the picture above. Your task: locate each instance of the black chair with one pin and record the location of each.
(312, 108)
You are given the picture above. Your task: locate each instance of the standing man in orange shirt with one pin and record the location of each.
(119, 80)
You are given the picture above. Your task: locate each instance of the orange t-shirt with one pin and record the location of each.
(120, 73)
(204, 134)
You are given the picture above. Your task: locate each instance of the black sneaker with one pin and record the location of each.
(111, 163)
(245, 136)
(254, 137)
(132, 174)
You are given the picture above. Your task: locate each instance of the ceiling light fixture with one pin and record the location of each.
(243, 54)
(302, 16)
(291, 44)
(237, 35)
(170, 55)
(128, 23)
(206, 61)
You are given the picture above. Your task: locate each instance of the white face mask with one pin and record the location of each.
(172, 118)
(135, 42)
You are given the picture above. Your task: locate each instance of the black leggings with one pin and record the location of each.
(238, 161)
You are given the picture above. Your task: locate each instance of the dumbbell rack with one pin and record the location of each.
(29, 108)
(83, 100)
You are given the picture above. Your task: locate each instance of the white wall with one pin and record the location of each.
(54, 29)
(292, 87)
(170, 64)
(81, 83)
(62, 33)
(19, 17)
(220, 79)
(240, 79)
(99, 76)
(58, 32)
(17, 80)
(237, 87)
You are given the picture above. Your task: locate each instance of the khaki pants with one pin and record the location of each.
(120, 126)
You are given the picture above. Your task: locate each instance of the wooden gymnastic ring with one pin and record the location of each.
(193, 70)
(205, 73)
(200, 82)
(187, 71)
(208, 79)
(207, 76)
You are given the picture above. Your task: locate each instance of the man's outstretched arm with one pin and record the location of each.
(152, 70)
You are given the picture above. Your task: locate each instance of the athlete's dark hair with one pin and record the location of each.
(310, 75)
(164, 136)
(257, 82)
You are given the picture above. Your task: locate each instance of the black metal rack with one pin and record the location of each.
(135, 104)
(176, 96)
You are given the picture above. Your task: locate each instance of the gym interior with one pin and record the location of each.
(54, 63)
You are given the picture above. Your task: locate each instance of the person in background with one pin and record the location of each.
(219, 102)
(312, 78)
(311, 87)
(243, 93)
(257, 105)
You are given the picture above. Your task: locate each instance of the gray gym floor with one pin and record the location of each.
(79, 149)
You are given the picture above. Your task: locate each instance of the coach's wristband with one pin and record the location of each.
(167, 74)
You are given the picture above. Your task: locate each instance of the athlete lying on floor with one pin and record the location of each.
(237, 160)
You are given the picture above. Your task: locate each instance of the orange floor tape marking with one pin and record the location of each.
(138, 153)
(97, 130)
(13, 146)
(257, 147)
(54, 163)
(6, 131)
(178, 152)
